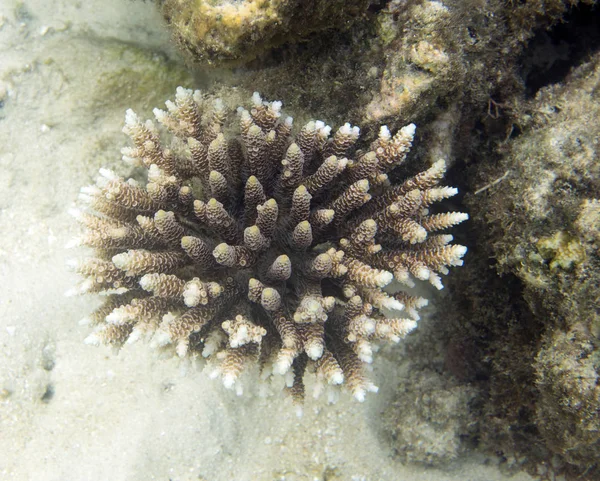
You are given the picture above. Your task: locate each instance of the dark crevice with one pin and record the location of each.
(552, 54)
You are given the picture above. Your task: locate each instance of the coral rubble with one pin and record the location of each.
(257, 247)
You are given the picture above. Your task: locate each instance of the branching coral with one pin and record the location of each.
(262, 247)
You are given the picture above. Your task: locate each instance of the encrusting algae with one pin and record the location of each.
(262, 248)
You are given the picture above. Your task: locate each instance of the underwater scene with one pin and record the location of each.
(299, 240)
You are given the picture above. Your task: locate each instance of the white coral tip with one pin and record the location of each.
(392, 304)
(436, 281)
(366, 357)
(410, 325)
(159, 114)
(110, 292)
(154, 172)
(239, 338)
(89, 190)
(336, 378)
(228, 380)
(117, 316)
(131, 118)
(409, 130)
(384, 133)
(439, 165)
(239, 389)
(282, 364)
(256, 99)
(289, 379)
(150, 126)
(333, 394)
(359, 394)
(122, 261)
(183, 94)
(86, 199)
(314, 351)
(134, 337)
(147, 282)
(171, 106)
(93, 339)
(372, 388)
(384, 278)
(191, 293)
(369, 325)
(345, 129)
(181, 348)
(422, 273)
(460, 251)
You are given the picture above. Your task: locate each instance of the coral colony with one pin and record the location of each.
(251, 246)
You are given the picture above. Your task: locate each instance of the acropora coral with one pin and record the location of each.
(252, 246)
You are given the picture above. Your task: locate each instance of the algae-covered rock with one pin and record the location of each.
(369, 62)
(408, 60)
(568, 369)
(541, 204)
(450, 51)
(221, 31)
(547, 203)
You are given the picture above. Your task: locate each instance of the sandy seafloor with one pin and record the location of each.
(69, 411)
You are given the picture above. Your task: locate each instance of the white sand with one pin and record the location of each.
(73, 412)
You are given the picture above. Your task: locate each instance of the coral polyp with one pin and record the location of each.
(250, 245)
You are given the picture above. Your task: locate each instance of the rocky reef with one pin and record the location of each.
(406, 61)
(229, 32)
(249, 246)
(544, 220)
